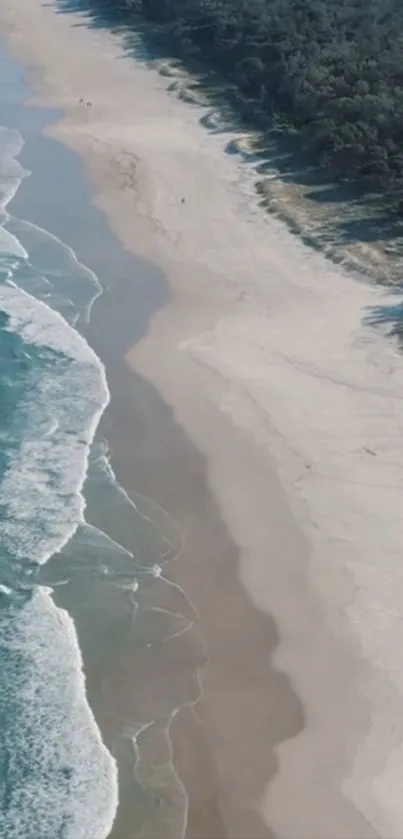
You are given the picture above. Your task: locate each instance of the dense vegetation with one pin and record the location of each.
(330, 70)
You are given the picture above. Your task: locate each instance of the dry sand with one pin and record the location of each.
(269, 362)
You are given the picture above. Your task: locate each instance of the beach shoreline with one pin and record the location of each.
(287, 490)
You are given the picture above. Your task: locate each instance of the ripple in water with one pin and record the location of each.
(80, 561)
(57, 779)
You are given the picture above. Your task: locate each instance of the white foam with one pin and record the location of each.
(9, 244)
(38, 324)
(60, 779)
(56, 755)
(41, 489)
(12, 173)
(69, 252)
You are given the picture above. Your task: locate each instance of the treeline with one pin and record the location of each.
(331, 71)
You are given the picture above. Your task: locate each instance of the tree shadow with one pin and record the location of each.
(343, 215)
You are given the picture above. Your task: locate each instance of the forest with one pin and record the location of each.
(330, 72)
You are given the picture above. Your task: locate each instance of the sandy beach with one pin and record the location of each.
(278, 453)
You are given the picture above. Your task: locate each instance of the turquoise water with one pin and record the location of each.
(53, 391)
(80, 560)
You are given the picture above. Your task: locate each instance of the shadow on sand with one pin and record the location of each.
(153, 457)
(348, 227)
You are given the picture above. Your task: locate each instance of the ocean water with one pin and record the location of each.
(91, 634)
(53, 391)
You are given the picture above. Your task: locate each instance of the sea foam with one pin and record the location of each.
(57, 779)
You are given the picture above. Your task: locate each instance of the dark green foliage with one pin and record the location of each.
(332, 70)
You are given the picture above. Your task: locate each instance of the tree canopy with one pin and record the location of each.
(330, 70)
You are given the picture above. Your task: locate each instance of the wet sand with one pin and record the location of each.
(224, 745)
(251, 705)
(271, 434)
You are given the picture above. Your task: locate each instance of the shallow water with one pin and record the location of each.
(80, 560)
